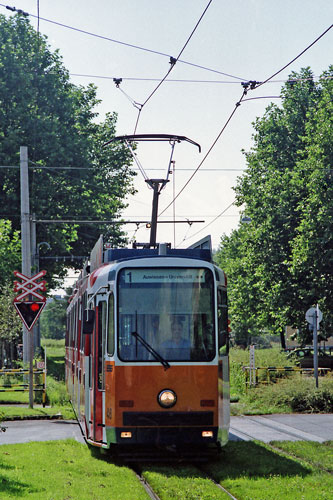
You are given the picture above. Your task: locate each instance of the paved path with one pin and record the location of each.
(264, 428)
(23, 431)
(281, 427)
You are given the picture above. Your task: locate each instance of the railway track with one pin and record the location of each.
(136, 467)
(218, 485)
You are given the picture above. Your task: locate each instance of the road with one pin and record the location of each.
(266, 428)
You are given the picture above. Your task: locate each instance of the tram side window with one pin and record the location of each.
(67, 331)
(83, 307)
(222, 311)
(101, 343)
(71, 332)
(110, 341)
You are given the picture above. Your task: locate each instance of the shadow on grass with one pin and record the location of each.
(239, 459)
(10, 486)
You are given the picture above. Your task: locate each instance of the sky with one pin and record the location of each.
(245, 39)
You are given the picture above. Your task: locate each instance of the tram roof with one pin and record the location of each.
(121, 254)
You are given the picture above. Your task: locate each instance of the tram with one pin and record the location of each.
(147, 348)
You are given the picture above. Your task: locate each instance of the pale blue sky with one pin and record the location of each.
(250, 39)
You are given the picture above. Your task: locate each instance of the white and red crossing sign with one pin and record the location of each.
(29, 303)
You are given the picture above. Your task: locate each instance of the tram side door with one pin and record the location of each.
(98, 372)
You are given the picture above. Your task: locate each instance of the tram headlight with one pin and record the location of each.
(167, 398)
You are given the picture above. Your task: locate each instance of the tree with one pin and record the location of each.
(10, 251)
(10, 323)
(272, 262)
(53, 319)
(41, 109)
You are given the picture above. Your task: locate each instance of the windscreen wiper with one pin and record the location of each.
(152, 351)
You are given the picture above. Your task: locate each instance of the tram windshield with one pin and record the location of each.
(172, 309)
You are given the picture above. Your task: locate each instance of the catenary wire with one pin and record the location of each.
(238, 103)
(253, 86)
(207, 225)
(138, 47)
(295, 58)
(173, 62)
(172, 80)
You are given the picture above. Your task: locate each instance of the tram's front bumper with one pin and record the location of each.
(164, 436)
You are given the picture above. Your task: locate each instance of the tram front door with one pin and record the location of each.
(98, 377)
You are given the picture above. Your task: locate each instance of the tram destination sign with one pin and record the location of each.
(172, 275)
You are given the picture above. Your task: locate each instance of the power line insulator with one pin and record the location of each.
(117, 81)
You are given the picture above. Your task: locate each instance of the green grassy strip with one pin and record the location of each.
(317, 454)
(14, 397)
(181, 482)
(253, 471)
(59, 470)
(19, 413)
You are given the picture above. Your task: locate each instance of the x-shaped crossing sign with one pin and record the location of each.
(29, 286)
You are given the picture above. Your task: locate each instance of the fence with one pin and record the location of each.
(38, 386)
(252, 374)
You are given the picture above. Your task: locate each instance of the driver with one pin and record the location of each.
(178, 346)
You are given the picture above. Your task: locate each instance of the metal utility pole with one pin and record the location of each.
(315, 344)
(314, 316)
(28, 346)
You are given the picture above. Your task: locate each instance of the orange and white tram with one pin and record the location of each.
(147, 348)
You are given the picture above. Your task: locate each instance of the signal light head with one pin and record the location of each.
(29, 311)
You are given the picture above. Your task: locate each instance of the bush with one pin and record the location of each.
(309, 399)
(56, 393)
(237, 378)
(297, 394)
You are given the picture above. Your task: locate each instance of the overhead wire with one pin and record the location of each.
(207, 225)
(173, 62)
(250, 85)
(112, 40)
(238, 103)
(295, 58)
(178, 80)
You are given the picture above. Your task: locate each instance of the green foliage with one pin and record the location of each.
(56, 393)
(309, 399)
(10, 251)
(41, 109)
(280, 264)
(53, 319)
(10, 323)
(292, 394)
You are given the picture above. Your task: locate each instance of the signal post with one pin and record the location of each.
(29, 304)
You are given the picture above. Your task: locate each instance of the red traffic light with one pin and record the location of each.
(29, 312)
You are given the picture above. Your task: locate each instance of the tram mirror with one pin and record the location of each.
(88, 321)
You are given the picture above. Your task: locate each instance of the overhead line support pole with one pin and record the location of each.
(28, 346)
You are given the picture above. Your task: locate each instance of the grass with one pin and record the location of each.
(20, 413)
(182, 482)
(318, 455)
(253, 471)
(63, 470)
(67, 470)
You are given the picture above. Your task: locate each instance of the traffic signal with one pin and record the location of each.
(29, 312)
